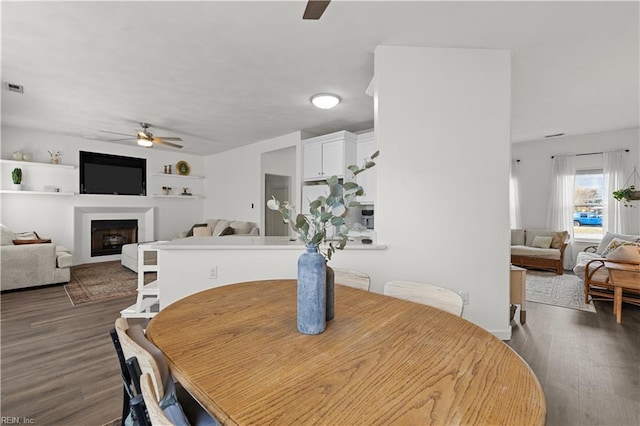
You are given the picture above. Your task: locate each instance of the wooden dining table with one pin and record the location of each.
(381, 360)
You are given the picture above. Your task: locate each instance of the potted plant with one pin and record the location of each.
(315, 278)
(626, 195)
(16, 177)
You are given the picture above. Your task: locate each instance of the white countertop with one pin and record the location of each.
(249, 243)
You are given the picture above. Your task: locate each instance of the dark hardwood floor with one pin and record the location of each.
(58, 365)
(588, 366)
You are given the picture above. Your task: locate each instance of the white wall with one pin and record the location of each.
(534, 170)
(52, 216)
(235, 179)
(442, 125)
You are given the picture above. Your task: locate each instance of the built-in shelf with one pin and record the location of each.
(35, 164)
(11, 191)
(178, 176)
(174, 196)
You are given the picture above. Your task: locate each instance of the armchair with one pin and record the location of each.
(31, 265)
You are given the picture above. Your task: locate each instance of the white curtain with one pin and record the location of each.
(560, 214)
(514, 198)
(614, 213)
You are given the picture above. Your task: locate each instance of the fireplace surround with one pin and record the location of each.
(106, 244)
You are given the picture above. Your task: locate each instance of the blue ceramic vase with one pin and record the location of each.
(312, 291)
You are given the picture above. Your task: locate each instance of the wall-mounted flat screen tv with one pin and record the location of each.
(112, 174)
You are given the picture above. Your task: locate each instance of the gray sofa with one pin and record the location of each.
(525, 254)
(129, 257)
(31, 265)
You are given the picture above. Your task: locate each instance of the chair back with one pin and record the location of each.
(427, 294)
(156, 414)
(151, 360)
(355, 279)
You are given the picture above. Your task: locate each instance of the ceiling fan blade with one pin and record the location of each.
(168, 139)
(163, 142)
(142, 135)
(116, 133)
(123, 139)
(315, 9)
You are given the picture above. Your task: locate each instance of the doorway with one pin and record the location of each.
(280, 187)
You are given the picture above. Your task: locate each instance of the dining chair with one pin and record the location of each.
(427, 294)
(156, 414)
(355, 279)
(178, 405)
(133, 407)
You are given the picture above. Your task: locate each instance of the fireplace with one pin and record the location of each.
(108, 236)
(86, 216)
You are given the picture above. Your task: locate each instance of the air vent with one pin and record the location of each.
(555, 135)
(13, 87)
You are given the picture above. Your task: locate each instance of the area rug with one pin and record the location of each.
(565, 290)
(92, 282)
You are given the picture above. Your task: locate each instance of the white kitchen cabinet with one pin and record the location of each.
(368, 180)
(329, 155)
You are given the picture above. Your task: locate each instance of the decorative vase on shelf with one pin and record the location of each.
(330, 292)
(16, 186)
(312, 291)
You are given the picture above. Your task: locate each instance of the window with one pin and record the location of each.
(588, 201)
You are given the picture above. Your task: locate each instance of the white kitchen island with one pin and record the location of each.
(190, 265)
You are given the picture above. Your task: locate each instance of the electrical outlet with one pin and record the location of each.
(213, 272)
(465, 297)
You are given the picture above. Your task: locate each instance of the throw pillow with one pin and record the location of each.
(197, 225)
(626, 253)
(558, 238)
(615, 243)
(202, 231)
(542, 242)
(227, 231)
(608, 237)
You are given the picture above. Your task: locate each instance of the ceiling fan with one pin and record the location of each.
(315, 9)
(145, 137)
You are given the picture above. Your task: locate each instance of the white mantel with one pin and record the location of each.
(82, 227)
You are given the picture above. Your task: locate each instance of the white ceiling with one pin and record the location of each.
(225, 74)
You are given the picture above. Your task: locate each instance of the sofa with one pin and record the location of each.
(539, 249)
(222, 228)
(601, 251)
(31, 265)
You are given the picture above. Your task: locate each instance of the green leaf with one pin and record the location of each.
(337, 221)
(369, 164)
(352, 168)
(348, 186)
(317, 238)
(333, 180)
(315, 204)
(375, 154)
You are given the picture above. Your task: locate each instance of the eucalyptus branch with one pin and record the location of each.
(326, 211)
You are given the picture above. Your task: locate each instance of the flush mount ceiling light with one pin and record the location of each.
(145, 142)
(325, 100)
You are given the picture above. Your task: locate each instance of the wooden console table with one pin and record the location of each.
(518, 290)
(381, 360)
(622, 276)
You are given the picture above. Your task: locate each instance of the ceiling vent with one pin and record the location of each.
(557, 135)
(13, 87)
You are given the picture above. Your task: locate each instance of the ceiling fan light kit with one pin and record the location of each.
(145, 142)
(325, 100)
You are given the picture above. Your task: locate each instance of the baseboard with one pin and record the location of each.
(502, 334)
